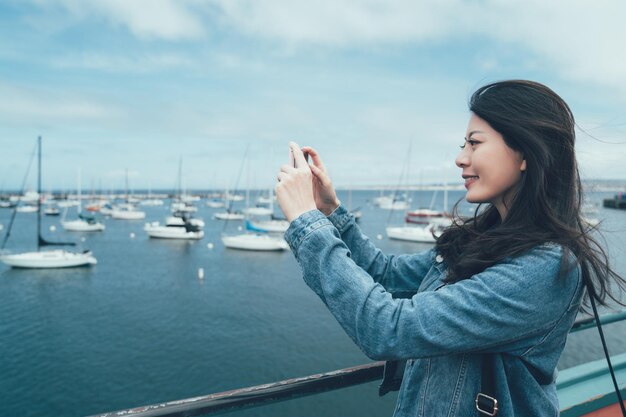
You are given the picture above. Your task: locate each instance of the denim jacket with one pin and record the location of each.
(519, 310)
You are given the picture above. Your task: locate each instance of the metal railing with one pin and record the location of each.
(289, 389)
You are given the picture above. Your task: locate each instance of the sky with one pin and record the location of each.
(378, 87)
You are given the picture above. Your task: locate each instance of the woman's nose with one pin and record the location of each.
(462, 160)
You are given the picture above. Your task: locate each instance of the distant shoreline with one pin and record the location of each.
(615, 186)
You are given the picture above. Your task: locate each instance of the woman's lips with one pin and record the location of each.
(469, 181)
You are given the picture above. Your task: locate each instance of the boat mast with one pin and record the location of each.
(39, 195)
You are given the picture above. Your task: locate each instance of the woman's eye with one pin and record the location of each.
(472, 142)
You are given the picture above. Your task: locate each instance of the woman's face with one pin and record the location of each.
(490, 168)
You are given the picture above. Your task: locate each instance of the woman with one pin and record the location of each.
(495, 299)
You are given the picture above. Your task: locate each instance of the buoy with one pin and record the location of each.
(53, 228)
(209, 245)
(379, 237)
(200, 273)
(82, 239)
(132, 235)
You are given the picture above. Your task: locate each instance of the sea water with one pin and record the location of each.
(141, 328)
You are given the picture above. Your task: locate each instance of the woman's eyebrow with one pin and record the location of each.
(473, 132)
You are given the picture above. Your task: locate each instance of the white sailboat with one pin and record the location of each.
(216, 203)
(272, 225)
(127, 211)
(253, 241)
(424, 234)
(151, 201)
(230, 215)
(83, 223)
(411, 233)
(171, 231)
(180, 225)
(57, 258)
(27, 208)
(269, 226)
(435, 223)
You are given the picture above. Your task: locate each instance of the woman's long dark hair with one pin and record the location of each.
(536, 122)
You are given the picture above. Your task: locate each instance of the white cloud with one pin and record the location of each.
(30, 106)
(584, 42)
(146, 19)
(124, 63)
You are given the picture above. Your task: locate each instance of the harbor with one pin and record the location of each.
(144, 326)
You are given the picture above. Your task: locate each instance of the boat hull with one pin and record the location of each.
(229, 216)
(48, 259)
(274, 226)
(164, 232)
(412, 234)
(82, 226)
(255, 242)
(128, 215)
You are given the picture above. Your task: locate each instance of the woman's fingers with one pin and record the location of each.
(317, 161)
(298, 156)
(281, 176)
(287, 169)
(319, 174)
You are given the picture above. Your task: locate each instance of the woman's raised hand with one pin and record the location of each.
(323, 191)
(294, 190)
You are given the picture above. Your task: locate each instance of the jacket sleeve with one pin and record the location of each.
(493, 311)
(396, 273)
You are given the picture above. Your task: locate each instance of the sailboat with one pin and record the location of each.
(180, 225)
(428, 229)
(84, 223)
(253, 240)
(127, 211)
(57, 258)
(273, 225)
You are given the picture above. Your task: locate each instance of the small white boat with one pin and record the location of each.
(151, 202)
(68, 203)
(395, 205)
(127, 212)
(216, 203)
(51, 211)
(413, 233)
(229, 215)
(57, 258)
(265, 200)
(272, 226)
(159, 231)
(180, 221)
(258, 211)
(254, 242)
(190, 198)
(7, 204)
(233, 197)
(30, 197)
(82, 225)
(182, 206)
(27, 209)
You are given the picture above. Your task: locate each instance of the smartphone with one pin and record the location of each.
(292, 160)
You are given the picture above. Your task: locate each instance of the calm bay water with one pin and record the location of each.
(141, 328)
